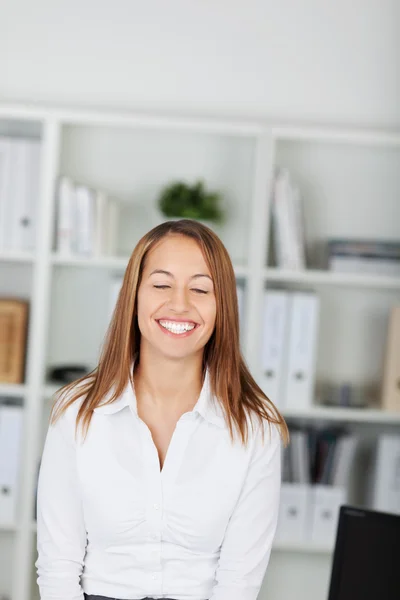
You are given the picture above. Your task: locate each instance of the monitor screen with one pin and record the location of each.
(366, 562)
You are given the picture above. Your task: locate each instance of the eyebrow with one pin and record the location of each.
(162, 272)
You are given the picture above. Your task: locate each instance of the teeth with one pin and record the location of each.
(177, 327)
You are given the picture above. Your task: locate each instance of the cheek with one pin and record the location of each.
(210, 313)
(143, 308)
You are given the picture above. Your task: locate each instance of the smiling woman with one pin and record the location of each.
(161, 469)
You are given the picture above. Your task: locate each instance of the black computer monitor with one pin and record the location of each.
(366, 561)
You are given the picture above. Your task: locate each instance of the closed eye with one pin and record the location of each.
(161, 287)
(200, 291)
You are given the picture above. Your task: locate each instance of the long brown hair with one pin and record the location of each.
(230, 380)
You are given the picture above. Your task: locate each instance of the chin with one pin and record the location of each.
(175, 354)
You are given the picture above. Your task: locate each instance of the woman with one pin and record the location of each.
(160, 475)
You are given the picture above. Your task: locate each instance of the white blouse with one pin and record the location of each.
(110, 523)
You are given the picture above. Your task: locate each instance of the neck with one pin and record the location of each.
(162, 381)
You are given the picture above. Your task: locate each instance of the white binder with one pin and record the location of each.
(5, 200)
(274, 343)
(11, 429)
(85, 221)
(66, 216)
(24, 190)
(293, 518)
(386, 480)
(303, 330)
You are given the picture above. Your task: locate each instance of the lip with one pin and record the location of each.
(177, 335)
(176, 320)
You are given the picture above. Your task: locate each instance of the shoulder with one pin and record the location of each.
(65, 411)
(265, 437)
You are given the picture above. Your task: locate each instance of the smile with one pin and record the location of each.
(180, 328)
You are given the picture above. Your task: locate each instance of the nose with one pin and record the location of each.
(179, 300)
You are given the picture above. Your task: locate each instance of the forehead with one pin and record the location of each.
(176, 252)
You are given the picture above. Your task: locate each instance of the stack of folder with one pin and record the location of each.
(289, 343)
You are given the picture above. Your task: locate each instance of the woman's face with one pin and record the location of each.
(176, 300)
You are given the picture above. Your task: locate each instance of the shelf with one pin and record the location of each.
(305, 547)
(354, 415)
(111, 262)
(321, 277)
(13, 390)
(15, 256)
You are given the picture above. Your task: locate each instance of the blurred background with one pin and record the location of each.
(277, 124)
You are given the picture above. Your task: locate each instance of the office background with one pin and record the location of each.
(301, 62)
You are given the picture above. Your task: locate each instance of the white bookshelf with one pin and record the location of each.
(131, 156)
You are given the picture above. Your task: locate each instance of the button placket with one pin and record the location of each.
(153, 484)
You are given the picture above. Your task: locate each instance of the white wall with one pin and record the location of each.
(306, 59)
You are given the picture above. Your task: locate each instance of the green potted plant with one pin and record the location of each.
(184, 201)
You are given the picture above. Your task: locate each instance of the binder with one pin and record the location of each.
(303, 328)
(85, 220)
(19, 193)
(11, 429)
(28, 226)
(390, 398)
(344, 460)
(326, 501)
(288, 225)
(300, 457)
(293, 518)
(274, 343)
(5, 204)
(24, 193)
(281, 220)
(66, 214)
(386, 481)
